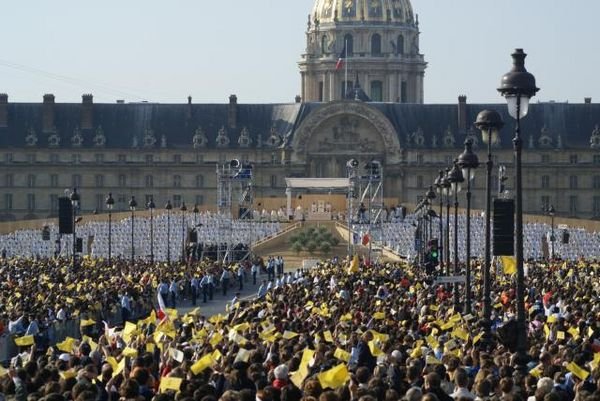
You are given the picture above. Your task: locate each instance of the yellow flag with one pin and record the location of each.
(24, 341)
(119, 368)
(342, 355)
(379, 315)
(560, 335)
(215, 339)
(375, 350)
(150, 347)
(460, 333)
(509, 263)
(288, 335)
(432, 360)
(205, 362)
(536, 372)
(578, 371)
(68, 374)
(328, 337)
(334, 377)
(130, 352)
(346, 317)
(354, 265)
(477, 338)
(66, 345)
(170, 383)
(87, 322)
(3, 371)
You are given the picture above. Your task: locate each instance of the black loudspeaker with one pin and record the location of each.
(192, 236)
(65, 216)
(46, 233)
(79, 245)
(565, 237)
(507, 335)
(504, 227)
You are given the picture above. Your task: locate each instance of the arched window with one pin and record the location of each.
(376, 45)
(349, 43)
(400, 45)
(377, 91)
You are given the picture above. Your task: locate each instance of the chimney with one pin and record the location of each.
(48, 114)
(462, 113)
(298, 99)
(232, 112)
(587, 100)
(87, 111)
(3, 110)
(188, 112)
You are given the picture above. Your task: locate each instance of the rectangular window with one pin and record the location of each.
(545, 181)
(420, 158)
(99, 181)
(54, 180)
(8, 157)
(273, 181)
(31, 181)
(76, 181)
(99, 202)
(274, 158)
(419, 181)
(31, 158)
(377, 91)
(8, 201)
(177, 159)
(321, 89)
(199, 181)
(596, 182)
(30, 202)
(149, 159)
(8, 180)
(177, 181)
(573, 205)
(573, 159)
(76, 158)
(99, 157)
(122, 202)
(122, 158)
(449, 160)
(545, 202)
(199, 158)
(545, 158)
(54, 158)
(176, 201)
(122, 180)
(403, 92)
(53, 204)
(573, 182)
(199, 200)
(596, 159)
(149, 181)
(596, 206)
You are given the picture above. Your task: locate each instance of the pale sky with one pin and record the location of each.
(163, 51)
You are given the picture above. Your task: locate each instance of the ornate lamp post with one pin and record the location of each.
(468, 162)
(439, 188)
(183, 210)
(195, 210)
(75, 203)
(447, 191)
(518, 86)
(551, 212)
(110, 203)
(168, 208)
(456, 178)
(151, 206)
(430, 195)
(132, 206)
(490, 123)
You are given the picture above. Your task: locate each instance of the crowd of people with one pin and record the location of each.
(341, 331)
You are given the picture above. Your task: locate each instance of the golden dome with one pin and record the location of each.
(396, 11)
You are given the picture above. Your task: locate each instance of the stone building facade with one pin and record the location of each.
(170, 151)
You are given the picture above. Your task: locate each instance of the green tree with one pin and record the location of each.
(311, 247)
(325, 247)
(297, 247)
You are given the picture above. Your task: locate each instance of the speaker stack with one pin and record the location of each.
(65, 216)
(504, 227)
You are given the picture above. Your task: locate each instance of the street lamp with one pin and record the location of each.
(518, 86)
(551, 212)
(110, 203)
(168, 208)
(132, 206)
(439, 184)
(447, 187)
(183, 210)
(151, 206)
(75, 203)
(468, 162)
(196, 210)
(430, 195)
(456, 178)
(489, 122)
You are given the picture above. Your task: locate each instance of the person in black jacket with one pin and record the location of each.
(433, 386)
(365, 357)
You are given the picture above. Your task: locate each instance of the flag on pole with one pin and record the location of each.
(161, 314)
(366, 239)
(341, 59)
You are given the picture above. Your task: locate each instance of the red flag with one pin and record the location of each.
(341, 59)
(366, 239)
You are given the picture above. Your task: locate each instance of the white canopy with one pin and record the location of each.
(317, 183)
